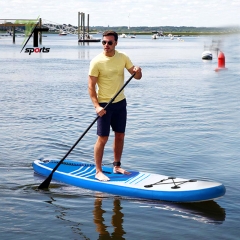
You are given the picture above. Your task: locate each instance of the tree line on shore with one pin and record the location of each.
(168, 29)
(182, 30)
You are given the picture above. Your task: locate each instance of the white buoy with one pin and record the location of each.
(207, 55)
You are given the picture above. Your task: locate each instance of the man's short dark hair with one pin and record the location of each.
(111, 33)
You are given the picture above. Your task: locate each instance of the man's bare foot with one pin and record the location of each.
(117, 169)
(101, 177)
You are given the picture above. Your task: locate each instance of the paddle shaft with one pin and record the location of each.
(46, 182)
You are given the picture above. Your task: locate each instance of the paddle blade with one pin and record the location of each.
(45, 184)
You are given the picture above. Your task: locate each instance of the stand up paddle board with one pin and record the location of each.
(136, 184)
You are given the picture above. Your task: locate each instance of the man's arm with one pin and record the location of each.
(137, 70)
(92, 81)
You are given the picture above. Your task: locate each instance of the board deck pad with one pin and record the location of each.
(136, 184)
(88, 170)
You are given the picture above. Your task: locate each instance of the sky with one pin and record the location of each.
(133, 13)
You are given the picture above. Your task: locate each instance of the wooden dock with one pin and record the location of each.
(83, 32)
(13, 24)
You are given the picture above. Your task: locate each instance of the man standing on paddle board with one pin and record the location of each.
(106, 72)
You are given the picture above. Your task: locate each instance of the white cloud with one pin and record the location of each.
(116, 12)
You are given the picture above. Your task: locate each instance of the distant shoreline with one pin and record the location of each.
(179, 33)
(144, 30)
(150, 33)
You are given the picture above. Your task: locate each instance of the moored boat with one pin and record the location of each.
(123, 35)
(62, 33)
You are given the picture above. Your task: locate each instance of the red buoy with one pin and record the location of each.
(221, 62)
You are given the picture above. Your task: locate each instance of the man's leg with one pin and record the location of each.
(98, 155)
(118, 146)
(118, 149)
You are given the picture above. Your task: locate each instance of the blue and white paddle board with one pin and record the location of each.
(137, 184)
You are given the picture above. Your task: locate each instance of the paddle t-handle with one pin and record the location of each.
(46, 182)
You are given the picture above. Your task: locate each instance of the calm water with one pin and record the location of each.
(183, 120)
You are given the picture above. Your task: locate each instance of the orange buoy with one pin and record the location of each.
(221, 62)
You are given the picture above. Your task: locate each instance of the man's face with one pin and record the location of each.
(109, 44)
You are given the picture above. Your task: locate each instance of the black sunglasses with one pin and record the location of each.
(107, 42)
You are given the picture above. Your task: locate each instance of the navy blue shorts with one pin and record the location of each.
(116, 117)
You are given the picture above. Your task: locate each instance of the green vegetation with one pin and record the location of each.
(144, 30)
(170, 29)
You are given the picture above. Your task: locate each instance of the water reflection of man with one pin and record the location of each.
(117, 220)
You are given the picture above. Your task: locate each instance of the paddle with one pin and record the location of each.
(46, 182)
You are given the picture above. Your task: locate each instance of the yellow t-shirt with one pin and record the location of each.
(110, 74)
